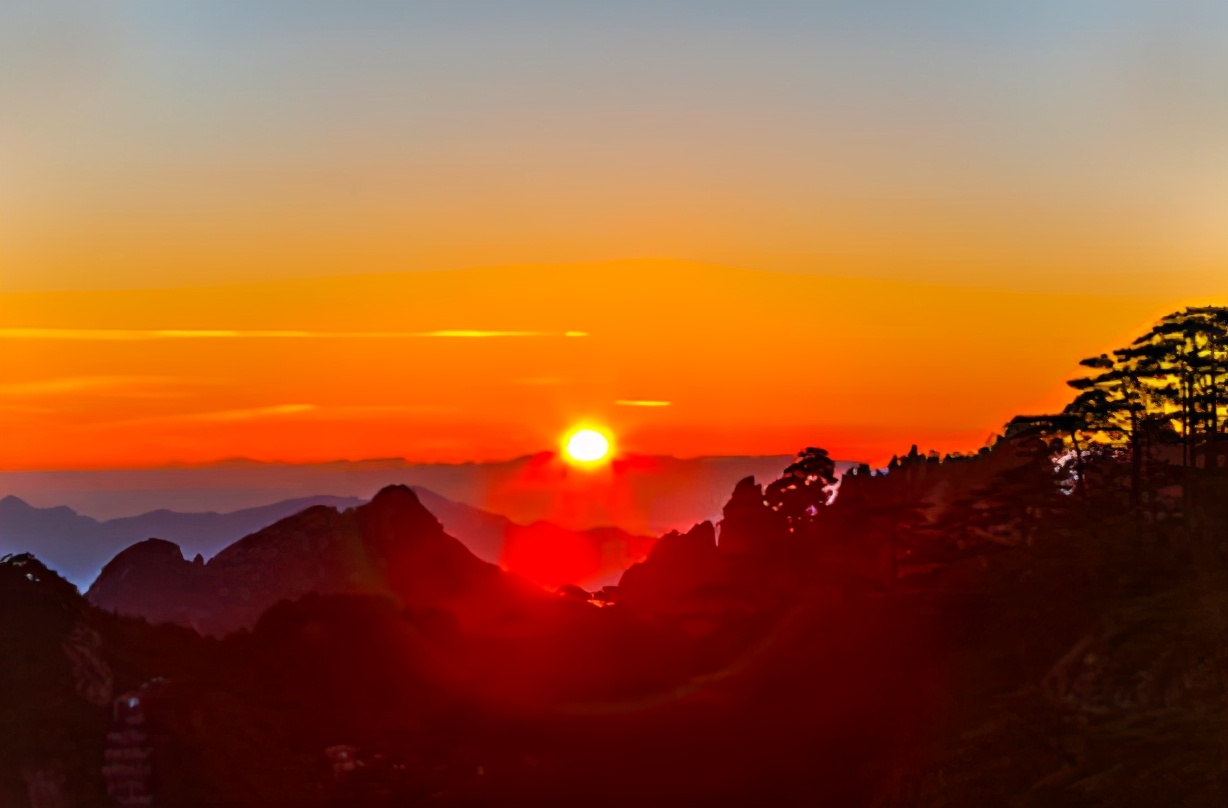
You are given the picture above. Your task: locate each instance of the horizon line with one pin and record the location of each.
(140, 334)
(338, 461)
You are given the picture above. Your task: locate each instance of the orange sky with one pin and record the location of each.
(393, 365)
(857, 225)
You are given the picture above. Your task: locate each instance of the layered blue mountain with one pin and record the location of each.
(391, 545)
(641, 494)
(77, 546)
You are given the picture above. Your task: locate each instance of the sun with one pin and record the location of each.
(586, 446)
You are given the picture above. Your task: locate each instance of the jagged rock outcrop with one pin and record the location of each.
(747, 523)
(749, 564)
(677, 577)
(152, 579)
(392, 545)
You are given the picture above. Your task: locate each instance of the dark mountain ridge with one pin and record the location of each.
(756, 661)
(391, 545)
(78, 546)
(654, 494)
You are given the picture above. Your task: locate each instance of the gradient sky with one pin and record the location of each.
(858, 225)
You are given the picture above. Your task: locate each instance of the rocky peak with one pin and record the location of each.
(747, 522)
(148, 579)
(398, 508)
(150, 549)
(391, 545)
(679, 565)
(150, 557)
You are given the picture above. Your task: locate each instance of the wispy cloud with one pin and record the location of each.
(485, 334)
(224, 416)
(349, 410)
(128, 335)
(212, 416)
(311, 411)
(641, 402)
(134, 386)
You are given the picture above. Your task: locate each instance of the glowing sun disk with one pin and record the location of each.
(587, 446)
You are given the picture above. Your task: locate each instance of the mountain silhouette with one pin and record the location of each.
(543, 552)
(78, 546)
(391, 545)
(649, 495)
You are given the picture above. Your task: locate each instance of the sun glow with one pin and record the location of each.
(586, 446)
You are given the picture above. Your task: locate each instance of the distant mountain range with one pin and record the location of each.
(534, 515)
(391, 545)
(641, 494)
(78, 546)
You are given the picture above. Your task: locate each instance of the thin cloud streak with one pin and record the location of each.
(641, 402)
(247, 415)
(128, 335)
(214, 417)
(112, 385)
(313, 411)
(347, 410)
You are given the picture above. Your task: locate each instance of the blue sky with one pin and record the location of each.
(767, 130)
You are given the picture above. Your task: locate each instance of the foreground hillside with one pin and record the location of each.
(1083, 664)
